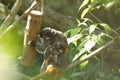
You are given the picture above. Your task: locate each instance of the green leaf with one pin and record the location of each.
(84, 12)
(78, 22)
(67, 32)
(73, 31)
(106, 27)
(89, 45)
(74, 38)
(75, 42)
(104, 34)
(81, 45)
(85, 2)
(78, 55)
(82, 65)
(110, 5)
(92, 28)
(97, 39)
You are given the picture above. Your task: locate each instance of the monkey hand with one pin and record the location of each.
(50, 73)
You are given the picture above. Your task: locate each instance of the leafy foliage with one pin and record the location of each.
(89, 5)
(87, 38)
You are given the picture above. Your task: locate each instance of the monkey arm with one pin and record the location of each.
(44, 66)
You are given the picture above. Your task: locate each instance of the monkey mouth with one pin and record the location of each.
(52, 62)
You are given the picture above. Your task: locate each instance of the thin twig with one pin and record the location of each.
(115, 32)
(95, 17)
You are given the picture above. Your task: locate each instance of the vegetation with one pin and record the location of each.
(97, 23)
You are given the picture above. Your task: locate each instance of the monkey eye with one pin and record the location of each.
(47, 37)
(59, 47)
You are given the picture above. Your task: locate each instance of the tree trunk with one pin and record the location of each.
(31, 33)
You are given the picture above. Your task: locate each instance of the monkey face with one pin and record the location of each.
(55, 53)
(50, 37)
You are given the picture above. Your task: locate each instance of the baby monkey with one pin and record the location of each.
(52, 42)
(54, 48)
(54, 62)
(56, 55)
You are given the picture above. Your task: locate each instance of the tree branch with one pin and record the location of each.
(51, 18)
(33, 6)
(21, 76)
(7, 22)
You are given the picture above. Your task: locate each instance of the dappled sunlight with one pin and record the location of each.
(6, 72)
